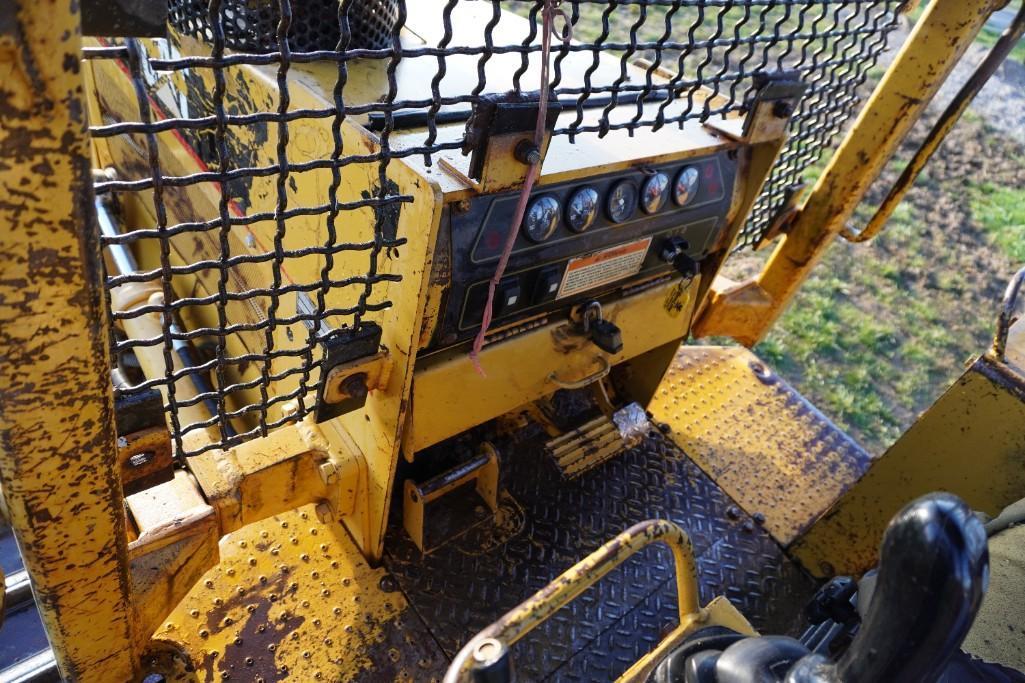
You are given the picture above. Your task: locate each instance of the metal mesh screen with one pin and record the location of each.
(281, 202)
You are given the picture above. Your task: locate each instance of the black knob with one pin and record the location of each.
(674, 251)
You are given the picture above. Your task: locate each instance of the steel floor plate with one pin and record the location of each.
(546, 523)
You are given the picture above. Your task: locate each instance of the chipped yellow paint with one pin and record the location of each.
(291, 599)
(761, 442)
(58, 460)
(439, 413)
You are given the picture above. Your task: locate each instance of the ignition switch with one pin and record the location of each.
(604, 333)
(674, 251)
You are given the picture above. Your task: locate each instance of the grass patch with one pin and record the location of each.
(1001, 213)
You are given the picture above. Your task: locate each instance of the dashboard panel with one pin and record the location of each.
(579, 239)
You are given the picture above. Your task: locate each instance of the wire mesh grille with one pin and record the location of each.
(283, 233)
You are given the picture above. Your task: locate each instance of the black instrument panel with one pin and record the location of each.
(578, 239)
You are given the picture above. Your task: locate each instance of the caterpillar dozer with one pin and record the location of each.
(394, 340)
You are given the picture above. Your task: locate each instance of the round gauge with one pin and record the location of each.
(542, 218)
(622, 201)
(686, 185)
(582, 209)
(654, 192)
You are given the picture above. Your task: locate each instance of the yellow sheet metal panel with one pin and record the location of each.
(58, 461)
(293, 599)
(449, 396)
(761, 441)
(970, 442)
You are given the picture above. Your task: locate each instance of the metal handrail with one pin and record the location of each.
(535, 610)
(950, 116)
(1007, 317)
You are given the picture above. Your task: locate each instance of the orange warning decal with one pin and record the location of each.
(603, 267)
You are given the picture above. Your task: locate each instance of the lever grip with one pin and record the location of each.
(933, 572)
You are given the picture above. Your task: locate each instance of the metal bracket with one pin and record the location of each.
(354, 363)
(775, 99)
(483, 468)
(500, 139)
(144, 448)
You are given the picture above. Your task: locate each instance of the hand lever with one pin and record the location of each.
(933, 571)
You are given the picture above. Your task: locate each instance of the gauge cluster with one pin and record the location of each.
(578, 238)
(611, 203)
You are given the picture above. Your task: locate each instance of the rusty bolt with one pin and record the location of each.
(526, 152)
(355, 385)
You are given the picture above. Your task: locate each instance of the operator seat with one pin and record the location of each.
(933, 573)
(998, 634)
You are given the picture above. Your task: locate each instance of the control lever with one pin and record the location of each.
(605, 334)
(674, 251)
(933, 571)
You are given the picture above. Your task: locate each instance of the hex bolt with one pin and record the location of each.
(328, 472)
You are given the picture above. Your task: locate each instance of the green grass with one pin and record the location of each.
(1001, 212)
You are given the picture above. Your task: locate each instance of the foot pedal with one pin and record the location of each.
(457, 519)
(599, 440)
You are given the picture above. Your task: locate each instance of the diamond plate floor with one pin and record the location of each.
(546, 524)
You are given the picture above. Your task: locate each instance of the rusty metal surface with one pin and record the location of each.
(292, 598)
(546, 524)
(761, 441)
(970, 442)
(58, 463)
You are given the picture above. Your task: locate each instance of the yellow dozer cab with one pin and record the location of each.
(398, 340)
